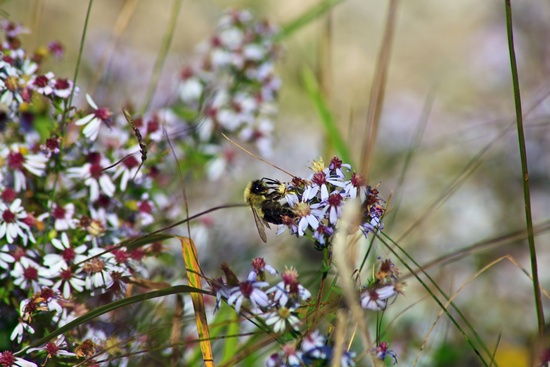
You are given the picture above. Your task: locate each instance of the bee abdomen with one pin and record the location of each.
(274, 211)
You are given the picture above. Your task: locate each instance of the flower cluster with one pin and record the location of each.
(314, 350)
(75, 187)
(21, 77)
(314, 205)
(276, 305)
(231, 89)
(78, 186)
(65, 203)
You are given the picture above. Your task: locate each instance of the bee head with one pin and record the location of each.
(258, 187)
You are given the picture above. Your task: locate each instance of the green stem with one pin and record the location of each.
(77, 68)
(525, 174)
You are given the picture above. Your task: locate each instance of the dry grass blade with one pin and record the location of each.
(175, 334)
(377, 91)
(189, 252)
(344, 263)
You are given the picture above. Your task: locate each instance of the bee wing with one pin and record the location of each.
(260, 224)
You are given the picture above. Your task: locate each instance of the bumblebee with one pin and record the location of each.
(263, 197)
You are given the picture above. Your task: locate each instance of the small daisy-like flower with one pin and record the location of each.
(347, 358)
(335, 203)
(221, 290)
(322, 234)
(12, 222)
(336, 165)
(191, 87)
(105, 270)
(251, 290)
(319, 182)
(51, 146)
(68, 281)
(292, 355)
(56, 49)
(94, 176)
(62, 217)
(353, 186)
(62, 88)
(145, 207)
(225, 158)
(375, 298)
(43, 84)
(54, 349)
(309, 215)
(19, 161)
(260, 133)
(68, 255)
(289, 290)
(282, 319)
(8, 359)
(382, 352)
(20, 330)
(99, 276)
(93, 120)
(260, 267)
(31, 276)
(127, 170)
(314, 345)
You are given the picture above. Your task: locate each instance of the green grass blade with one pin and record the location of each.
(310, 15)
(524, 169)
(434, 297)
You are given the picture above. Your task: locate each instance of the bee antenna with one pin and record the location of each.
(258, 158)
(271, 180)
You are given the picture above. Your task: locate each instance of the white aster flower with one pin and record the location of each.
(12, 223)
(93, 120)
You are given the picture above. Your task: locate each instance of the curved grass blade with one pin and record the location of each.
(190, 258)
(434, 297)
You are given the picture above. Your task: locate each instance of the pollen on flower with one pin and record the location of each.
(86, 349)
(318, 165)
(302, 209)
(94, 266)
